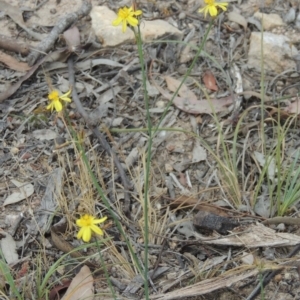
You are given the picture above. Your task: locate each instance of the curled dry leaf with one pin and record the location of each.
(72, 38)
(237, 18)
(210, 81)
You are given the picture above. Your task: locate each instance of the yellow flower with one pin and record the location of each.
(127, 15)
(212, 7)
(55, 100)
(87, 224)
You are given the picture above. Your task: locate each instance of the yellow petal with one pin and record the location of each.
(132, 21)
(50, 106)
(57, 105)
(213, 11)
(65, 98)
(98, 221)
(117, 21)
(222, 6)
(138, 12)
(96, 229)
(87, 234)
(80, 233)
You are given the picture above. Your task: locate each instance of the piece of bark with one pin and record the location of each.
(206, 221)
(46, 45)
(13, 45)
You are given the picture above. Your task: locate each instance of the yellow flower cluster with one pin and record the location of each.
(127, 16)
(212, 7)
(55, 100)
(87, 224)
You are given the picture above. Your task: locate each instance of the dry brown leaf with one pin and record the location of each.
(64, 246)
(210, 81)
(12, 63)
(194, 106)
(72, 38)
(203, 106)
(184, 91)
(81, 287)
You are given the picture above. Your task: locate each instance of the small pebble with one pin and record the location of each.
(160, 104)
(290, 15)
(280, 227)
(182, 16)
(53, 11)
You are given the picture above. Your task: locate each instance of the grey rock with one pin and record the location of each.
(277, 52)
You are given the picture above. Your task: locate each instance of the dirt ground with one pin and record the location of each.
(226, 148)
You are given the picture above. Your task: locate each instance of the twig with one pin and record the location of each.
(99, 135)
(63, 24)
(268, 277)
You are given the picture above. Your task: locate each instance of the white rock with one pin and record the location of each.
(152, 30)
(269, 21)
(277, 52)
(109, 35)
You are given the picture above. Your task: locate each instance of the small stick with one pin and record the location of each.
(46, 45)
(99, 135)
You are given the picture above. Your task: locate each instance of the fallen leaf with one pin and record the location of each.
(26, 190)
(203, 106)
(8, 247)
(184, 91)
(81, 287)
(237, 18)
(194, 106)
(210, 81)
(12, 63)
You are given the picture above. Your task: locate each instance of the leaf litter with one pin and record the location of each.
(39, 153)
